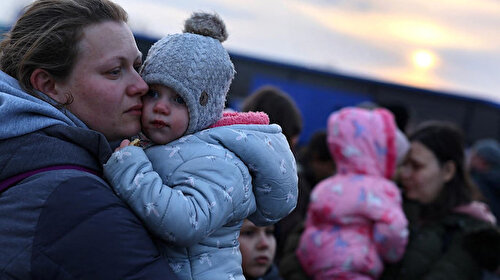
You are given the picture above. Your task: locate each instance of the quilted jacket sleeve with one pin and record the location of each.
(200, 198)
(86, 232)
(276, 184)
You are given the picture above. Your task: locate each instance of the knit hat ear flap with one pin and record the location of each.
(196, 66)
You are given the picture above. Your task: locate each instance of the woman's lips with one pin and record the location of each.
(135, 110)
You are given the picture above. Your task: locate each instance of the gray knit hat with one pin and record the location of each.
(196, 66)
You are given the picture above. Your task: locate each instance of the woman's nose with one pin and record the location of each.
(404, 171)
(138, 86)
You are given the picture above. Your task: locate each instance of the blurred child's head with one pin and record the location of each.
(258, 247)
(195, 69)
(281, 109)
(366, 141)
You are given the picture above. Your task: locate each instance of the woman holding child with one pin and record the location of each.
(69, 85)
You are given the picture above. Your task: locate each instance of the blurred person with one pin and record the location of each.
(401, 115)
(314, 163)
(315, 160)
(355, 220)
(484, 166)
(289, 265)
(258, 249)
(282, 110)
(69, 87)
(452, 235)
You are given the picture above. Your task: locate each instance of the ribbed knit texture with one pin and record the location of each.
(197, 67)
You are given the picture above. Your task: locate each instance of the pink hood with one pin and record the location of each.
(363, 141)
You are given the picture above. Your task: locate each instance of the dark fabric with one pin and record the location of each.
(290, 267)
(68, 224)
(489, 184)
(271, 274)
(297, 216)
(439, 250)
(55, 145)
(96, 237)
(9, 182)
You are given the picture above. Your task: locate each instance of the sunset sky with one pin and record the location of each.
(448, 45)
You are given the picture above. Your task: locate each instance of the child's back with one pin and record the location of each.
(355, 220)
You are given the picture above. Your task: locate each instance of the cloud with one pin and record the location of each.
(11, 10)
(382, 27)
(368, 38)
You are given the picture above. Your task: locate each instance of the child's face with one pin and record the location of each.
(257, 246)
(165, 116)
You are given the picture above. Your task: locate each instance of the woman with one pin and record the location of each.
(452, 236)
(68, 86)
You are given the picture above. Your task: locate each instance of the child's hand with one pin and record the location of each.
(126, 143)
(123, 144)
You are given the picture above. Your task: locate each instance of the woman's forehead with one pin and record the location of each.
(108, 40)
(419, 150)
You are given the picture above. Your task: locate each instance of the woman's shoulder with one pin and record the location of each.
(75, 184)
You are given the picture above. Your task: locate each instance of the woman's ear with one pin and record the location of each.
(42, 81)
(449, 169)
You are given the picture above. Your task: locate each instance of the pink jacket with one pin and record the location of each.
(355, 221)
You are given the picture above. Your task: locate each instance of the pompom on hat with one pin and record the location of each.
(196, 66)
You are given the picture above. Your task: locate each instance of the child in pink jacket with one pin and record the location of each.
(355, 221)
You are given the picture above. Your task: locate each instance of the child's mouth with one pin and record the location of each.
(158, 124)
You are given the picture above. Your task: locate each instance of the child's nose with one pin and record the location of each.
(263, 242)
(162, 107)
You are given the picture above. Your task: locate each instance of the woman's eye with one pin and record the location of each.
(114, 72)
(179, 99)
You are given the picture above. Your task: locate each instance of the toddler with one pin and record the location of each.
(203, 174)
(355, 219)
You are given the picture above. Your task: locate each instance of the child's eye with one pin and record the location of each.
(179, 99)
(152, 94)
(247, 233)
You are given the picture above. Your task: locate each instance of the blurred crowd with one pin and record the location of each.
(438, 222)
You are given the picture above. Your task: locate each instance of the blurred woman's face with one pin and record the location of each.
(104, 82)
(421, 174)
